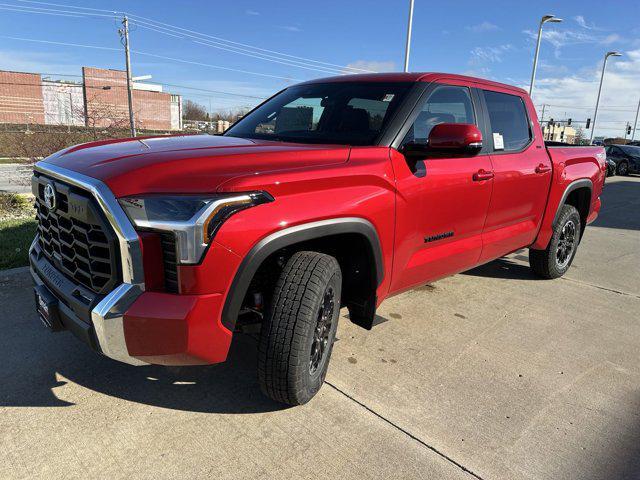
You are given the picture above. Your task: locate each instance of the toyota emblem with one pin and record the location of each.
(50, 196)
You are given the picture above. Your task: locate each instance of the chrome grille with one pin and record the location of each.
(75, 237)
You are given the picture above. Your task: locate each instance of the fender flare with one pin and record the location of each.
(583, 182)
(290, 236)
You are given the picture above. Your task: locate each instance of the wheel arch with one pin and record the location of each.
(301, 237)
(579, 195)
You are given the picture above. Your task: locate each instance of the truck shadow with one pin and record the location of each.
(38, 368)
(505, 268)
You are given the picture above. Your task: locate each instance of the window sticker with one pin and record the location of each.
(498, 141)
(388, 97)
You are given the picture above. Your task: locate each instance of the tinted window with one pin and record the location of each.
(340, 112)
(633, 151)
(509, 120)
(445, 104)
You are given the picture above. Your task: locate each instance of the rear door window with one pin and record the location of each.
(509, 122)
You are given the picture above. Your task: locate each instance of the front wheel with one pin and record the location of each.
(297, 335)
(623, 168)
(555, 260)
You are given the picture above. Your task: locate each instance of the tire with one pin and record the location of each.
(622, 168)
(555, 260)
(296, 338)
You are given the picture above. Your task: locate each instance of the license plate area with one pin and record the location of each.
(47, 308)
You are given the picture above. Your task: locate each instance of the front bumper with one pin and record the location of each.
(130, 324)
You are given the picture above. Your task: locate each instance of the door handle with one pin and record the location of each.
(542, 168)
(481, 175)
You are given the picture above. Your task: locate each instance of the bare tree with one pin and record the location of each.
(104, 119)
(231, 115)
(194, 111)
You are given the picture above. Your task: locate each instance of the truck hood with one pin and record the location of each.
(188, 163)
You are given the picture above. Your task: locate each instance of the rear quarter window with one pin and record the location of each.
(508, 120)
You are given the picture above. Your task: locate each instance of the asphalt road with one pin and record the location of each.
(490, 374)
(14, 177)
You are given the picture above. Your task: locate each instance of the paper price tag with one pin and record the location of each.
(498, 141)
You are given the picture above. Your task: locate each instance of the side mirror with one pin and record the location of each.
(447, 138)
(461, 138)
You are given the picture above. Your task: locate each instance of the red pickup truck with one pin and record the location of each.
(333, 193)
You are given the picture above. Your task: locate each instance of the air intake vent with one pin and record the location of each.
(169, 258)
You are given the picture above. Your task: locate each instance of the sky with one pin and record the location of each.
(228, 55)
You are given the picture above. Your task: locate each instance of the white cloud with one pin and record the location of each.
(574, 96)
(482, 72)
(370, 65)
(553, 68)
(560, 38)
(483, 27)
(483, 55)
(609, 39)
(583, 23)
(252, 12)
(290, 28)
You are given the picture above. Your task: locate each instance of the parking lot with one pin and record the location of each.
(490, 374)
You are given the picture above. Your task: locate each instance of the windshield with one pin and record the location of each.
(337, 113)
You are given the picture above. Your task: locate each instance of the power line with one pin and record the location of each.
(43, 13)
(51, 42)
(67, 6)
(51, 11)
(174, 27)
(586, 107)
(232, 49)
(158, 82)
(139, 19)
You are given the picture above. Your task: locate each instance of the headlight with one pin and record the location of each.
(194, 220)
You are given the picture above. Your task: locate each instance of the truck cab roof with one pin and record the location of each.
(414, 77)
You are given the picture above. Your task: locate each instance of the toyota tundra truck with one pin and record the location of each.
(334, 193)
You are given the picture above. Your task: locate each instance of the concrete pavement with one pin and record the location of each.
(488, 374)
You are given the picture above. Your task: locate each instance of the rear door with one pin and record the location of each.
(522, 172)
(441, 206)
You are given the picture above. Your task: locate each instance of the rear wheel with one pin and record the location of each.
(623, 168)
(555, 260)
(297, 335)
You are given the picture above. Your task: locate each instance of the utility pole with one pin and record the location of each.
(124, 32)
(408, 46)
(635, 123)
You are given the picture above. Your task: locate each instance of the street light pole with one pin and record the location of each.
(635, 122)
(595, 113)
(543, 20)
(408, 46)
(125, 34)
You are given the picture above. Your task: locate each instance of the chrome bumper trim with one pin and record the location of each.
(108, 322)
(108, 315)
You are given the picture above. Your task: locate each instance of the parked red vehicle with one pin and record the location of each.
(334, 193)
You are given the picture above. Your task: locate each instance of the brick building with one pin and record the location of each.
(21, 98)
(99, 101)
(106, 98)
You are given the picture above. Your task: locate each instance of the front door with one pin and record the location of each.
(441, 202)
(522, 170)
